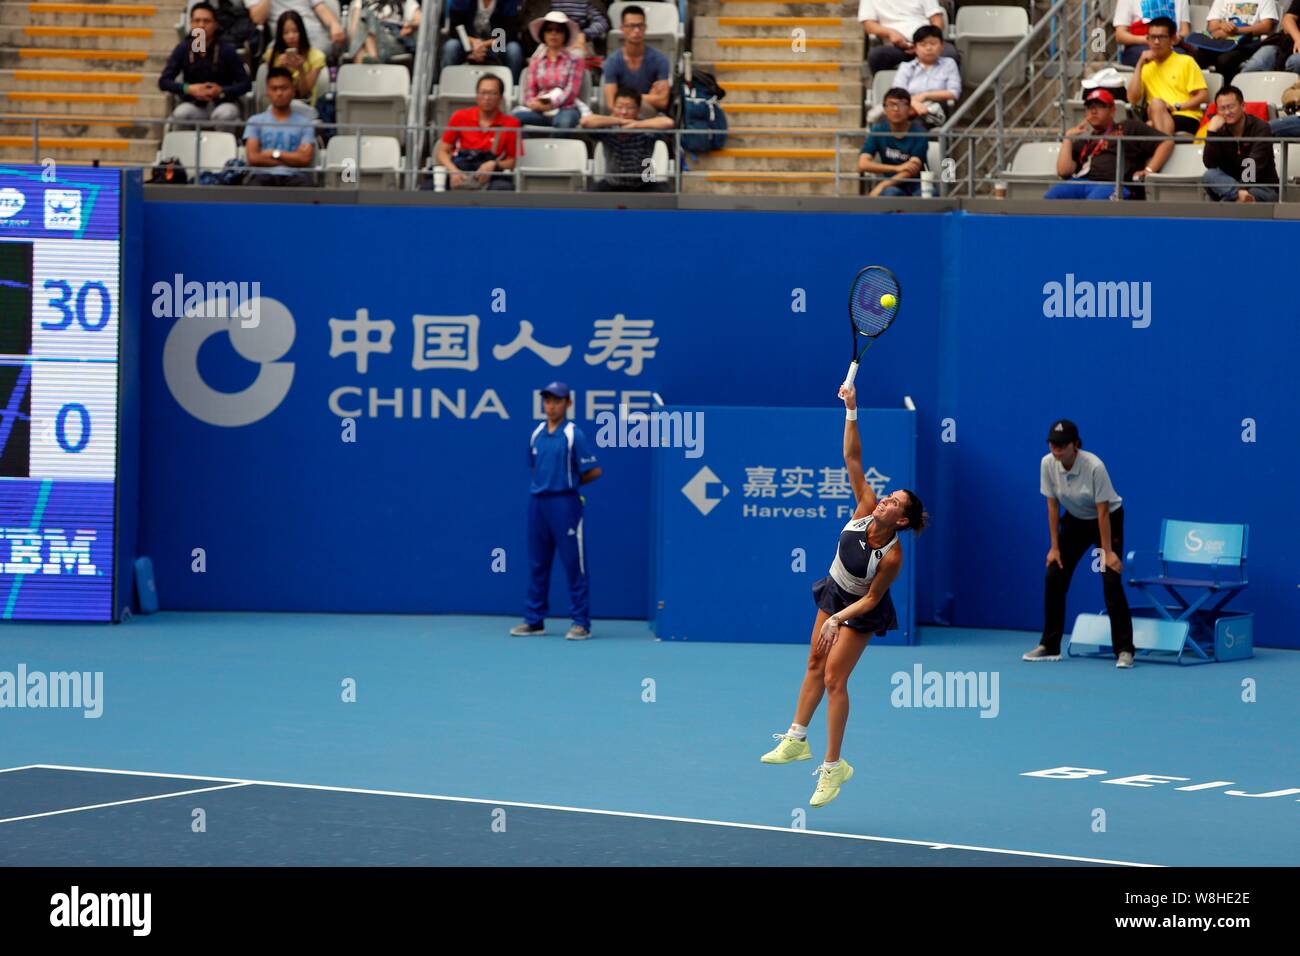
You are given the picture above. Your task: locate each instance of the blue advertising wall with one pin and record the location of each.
(410, 516)
(747, 309)
(745, 529)
(1166, 406)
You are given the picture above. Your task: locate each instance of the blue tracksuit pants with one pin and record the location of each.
(555, 523)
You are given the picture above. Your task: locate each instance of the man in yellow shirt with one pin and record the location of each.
(1171, 83)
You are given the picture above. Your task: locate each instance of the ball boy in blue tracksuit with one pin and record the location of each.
(562, 460)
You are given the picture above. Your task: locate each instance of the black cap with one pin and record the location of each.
(1062, 432)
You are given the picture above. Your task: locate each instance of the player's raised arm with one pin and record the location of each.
(862, 493)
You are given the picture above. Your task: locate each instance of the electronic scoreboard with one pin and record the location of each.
(69, 302)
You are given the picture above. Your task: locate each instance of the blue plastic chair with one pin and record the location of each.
(1200, 547)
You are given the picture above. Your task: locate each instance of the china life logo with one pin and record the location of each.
(263, 344)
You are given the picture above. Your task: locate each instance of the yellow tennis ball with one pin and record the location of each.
(888, 301)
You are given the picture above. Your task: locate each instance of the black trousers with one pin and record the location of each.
(1077, 538)
(1227, 63)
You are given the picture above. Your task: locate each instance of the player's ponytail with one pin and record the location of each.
(915, 513)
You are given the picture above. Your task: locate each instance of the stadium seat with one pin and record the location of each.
(456, 86)
(881, 83)
(1032, 171)
(211, 147)
(663, 28)
(985, 35)
(378, 167)
(1214, 82)
(1180, 178)
(664, 167)
(372, 94)
(1265, 87)
(553, 165)
(1290, 189)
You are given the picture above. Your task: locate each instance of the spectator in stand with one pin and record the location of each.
(481, 20)
(591, 16)
(895, 22)
(1237, 171)
(481, 144)
(933, 79)
(235, 26)
(1246, 22)
(293, 51)
(1088, 153)
(380, 30)
(895, 148)
(630, 149)
(1172, 84)
(554, 76)
(1281, 51)
(280, 143)
(1133, 18)
(1288, 124)
(205, 73)
(639, 67)
(323, 28)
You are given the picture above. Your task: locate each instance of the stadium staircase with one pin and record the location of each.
(785, 100)
(89, 73)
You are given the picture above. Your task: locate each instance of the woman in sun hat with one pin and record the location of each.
(554, 77)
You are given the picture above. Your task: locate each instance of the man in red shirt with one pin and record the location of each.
(481, 143)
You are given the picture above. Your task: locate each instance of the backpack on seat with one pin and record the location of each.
(169, 170)
(699, 98)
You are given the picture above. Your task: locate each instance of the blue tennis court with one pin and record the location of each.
(467, 747)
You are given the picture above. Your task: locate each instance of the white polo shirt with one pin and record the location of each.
(905, 16)
(1080, 489)
(1248, 12)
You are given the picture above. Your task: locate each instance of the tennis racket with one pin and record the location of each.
(870, 312)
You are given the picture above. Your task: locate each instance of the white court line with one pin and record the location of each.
(30, 766)
(115, 803)
(610, 813)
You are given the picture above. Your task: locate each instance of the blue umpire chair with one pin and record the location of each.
(1181, 628)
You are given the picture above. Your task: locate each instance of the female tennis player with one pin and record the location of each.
(853, 604)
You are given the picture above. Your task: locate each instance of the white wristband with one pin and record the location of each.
(850, 414)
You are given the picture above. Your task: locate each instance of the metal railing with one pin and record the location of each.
(426, 54)
(345, 170)
(1029, 90)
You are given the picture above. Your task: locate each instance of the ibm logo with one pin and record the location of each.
(31, 551)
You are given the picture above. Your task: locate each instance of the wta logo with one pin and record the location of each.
(263, 344)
